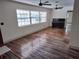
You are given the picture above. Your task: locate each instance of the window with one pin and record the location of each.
(43, 16)
(23, 17)
(26, 17)
(34, 17)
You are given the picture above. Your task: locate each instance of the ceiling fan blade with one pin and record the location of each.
(47, 4)
(58, 7)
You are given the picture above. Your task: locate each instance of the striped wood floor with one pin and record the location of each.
(46, 44)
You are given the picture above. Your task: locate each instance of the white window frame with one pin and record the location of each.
(43, 17)
(21, 17)
(21, 21)
(34, 17)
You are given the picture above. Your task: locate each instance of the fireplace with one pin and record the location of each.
(58, 22)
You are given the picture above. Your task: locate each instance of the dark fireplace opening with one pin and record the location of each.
(58, 23)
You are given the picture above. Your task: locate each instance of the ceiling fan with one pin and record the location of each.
(57, 6)
(44, 3)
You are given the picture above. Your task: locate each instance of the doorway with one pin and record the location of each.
(1, 39)
(68, 22)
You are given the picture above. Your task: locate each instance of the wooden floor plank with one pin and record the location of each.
(50, 43)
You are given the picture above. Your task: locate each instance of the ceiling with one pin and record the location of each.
(61, 2)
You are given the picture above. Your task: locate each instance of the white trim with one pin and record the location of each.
(4, 49)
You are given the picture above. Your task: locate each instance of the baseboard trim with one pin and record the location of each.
(27, 34)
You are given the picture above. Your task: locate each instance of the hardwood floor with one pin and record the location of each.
(46, 44)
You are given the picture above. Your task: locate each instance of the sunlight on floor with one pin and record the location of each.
(32, 46)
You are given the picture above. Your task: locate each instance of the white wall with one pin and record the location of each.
(10, 30)
(74, 41)
(61, 13)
